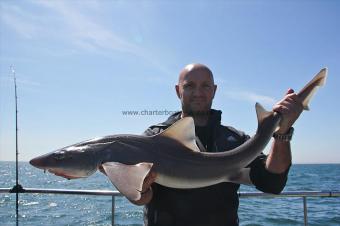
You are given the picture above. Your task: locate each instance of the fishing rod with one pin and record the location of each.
(17, 188)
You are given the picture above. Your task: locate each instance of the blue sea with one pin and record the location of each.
(57, 209)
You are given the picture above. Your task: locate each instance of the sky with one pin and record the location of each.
(81, 64)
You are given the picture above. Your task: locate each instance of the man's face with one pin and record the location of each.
(196, 91)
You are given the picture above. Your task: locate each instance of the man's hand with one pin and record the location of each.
(146, 193)
(290, 107)
(101, 169)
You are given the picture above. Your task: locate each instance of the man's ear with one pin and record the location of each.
(215, 88)
(177, 91)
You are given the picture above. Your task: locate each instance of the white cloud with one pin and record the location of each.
(84, 31)
(250, 97)
(8, 81)
(20, 21)
(66, 22)
(28, 82)
(75, 23)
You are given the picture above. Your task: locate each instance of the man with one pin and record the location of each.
(217, 204)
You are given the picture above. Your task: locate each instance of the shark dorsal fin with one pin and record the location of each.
(261, 112)
(184, 132)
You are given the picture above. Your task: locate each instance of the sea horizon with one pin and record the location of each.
(60, 209)
(300, 163)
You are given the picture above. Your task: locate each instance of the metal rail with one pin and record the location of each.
(113, 194)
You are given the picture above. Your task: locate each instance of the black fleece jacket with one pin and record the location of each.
(214, 205)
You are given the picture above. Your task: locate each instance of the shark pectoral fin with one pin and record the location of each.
(308, 91)
(241, 177)
(128, 179)
(184, 132)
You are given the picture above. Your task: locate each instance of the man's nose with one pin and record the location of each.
(198, 92)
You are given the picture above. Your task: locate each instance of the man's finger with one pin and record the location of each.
(289, 91)
(149, 179)
(101, 169)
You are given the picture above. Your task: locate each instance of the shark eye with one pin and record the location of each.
(59, 155)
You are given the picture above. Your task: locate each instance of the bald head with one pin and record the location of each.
(196, 90)
(194, 69)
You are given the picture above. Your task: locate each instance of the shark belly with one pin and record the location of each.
(187, 183)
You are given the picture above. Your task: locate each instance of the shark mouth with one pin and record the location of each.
(61, 174)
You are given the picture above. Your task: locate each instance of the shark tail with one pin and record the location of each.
(308, 91)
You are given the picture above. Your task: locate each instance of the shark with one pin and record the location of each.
(173, 154)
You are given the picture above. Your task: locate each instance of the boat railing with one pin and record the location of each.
(113, 194)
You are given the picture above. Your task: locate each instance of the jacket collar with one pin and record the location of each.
(214, 119)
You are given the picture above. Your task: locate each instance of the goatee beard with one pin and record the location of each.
(197, 113)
